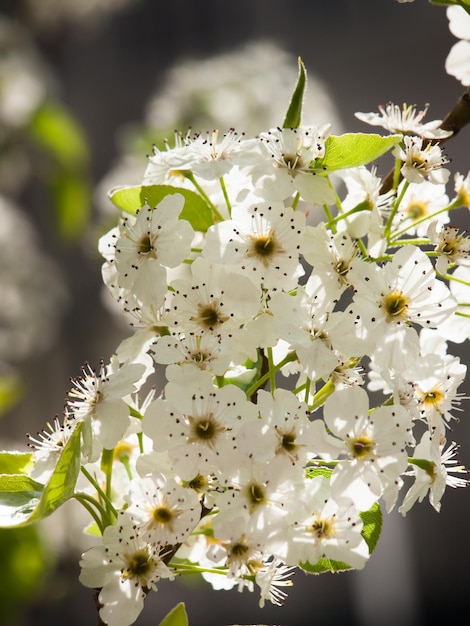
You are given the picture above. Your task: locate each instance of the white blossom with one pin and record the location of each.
(388, 298)
(406, 120)
(124, 567)
(372, 444)
(432, 467)
(422, 162)
(261, 242)
(324, 527)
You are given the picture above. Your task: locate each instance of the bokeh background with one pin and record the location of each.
(110, 70)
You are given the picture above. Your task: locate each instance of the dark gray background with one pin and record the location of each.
(368, 52)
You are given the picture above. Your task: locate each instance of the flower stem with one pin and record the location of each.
(87, 501)
(272, 370)
(203, 194)
(111, 511)
(454, 278)
(409, 242)
(227, 200)
(395, 206)
(420, 221)
(322, 395)
(107, 468)
(191, 568)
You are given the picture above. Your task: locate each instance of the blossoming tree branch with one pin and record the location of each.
(281, 287)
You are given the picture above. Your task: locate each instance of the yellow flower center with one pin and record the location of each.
(162, 516)
(138, 565)
(209, 316)
(323, 528)
(416, 210)
(205, 429)
(433, 398)
(145, 245)
(264, 247)
(123, 451)
(361, 447)
(255, 494)
(395, 304)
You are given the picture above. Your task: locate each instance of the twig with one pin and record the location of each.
(98, 605)
(458, 117)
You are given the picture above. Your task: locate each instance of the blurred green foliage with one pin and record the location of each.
(25, 563)
(65, 171)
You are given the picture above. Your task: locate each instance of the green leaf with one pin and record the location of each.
(24, 501)
(195, 210)
(294, 112)
(13, 462)
(18, 483)
(324, 565)
(372, 526)
(313, 472)
(176, 617)
(352, 150)
(19, 496)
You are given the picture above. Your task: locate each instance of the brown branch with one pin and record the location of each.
(455, 120)
(96, 593)
(459, 117)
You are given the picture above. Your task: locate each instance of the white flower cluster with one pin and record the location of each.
(261, 451)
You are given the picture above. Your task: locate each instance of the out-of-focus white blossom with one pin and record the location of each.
(25, 82)
(51, 14)
(32, 287)
(247, 88)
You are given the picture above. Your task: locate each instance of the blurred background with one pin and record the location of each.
(85, 89)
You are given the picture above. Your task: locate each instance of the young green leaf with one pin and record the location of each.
(19, 496)
(372, 526)
(294, 112)
(324, 565)
(176, 617)
(24, 501)
(13, 462)
(195, 211)
(313, 472)
(352, 150)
